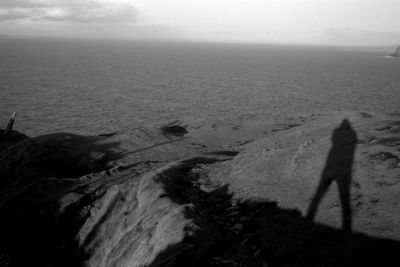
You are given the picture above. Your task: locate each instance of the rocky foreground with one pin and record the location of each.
(312, 190)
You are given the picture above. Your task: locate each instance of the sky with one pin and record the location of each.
(320, 22)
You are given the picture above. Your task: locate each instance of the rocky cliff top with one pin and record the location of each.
(304, 190)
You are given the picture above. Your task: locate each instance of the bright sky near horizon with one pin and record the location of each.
(335, 22)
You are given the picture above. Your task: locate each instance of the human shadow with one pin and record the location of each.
(268, 234)
(338, 168)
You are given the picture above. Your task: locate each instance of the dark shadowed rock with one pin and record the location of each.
(174, 130)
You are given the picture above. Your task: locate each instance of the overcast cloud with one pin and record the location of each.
(337, 22)
(83, 11)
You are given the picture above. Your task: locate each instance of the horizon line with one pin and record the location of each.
(188, 40)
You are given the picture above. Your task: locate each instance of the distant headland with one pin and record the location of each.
(397, 53)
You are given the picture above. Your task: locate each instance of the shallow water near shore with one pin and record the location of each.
(103, 86)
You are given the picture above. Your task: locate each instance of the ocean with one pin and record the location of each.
(97, 86)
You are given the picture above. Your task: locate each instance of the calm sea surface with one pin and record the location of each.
(100, 86)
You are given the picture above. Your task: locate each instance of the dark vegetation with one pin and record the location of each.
(35, 172)
(12, 138)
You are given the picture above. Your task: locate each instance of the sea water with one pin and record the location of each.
(92, 86)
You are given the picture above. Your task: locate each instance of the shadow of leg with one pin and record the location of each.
(319, 194)
(344, 195)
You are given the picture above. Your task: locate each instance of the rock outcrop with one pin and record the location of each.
(66, 201)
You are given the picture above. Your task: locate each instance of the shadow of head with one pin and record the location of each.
(344, 134)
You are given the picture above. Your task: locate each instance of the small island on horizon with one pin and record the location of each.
(397, 53)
